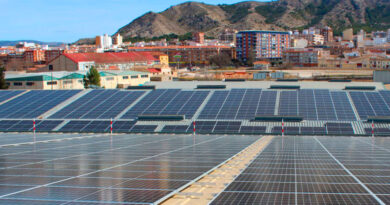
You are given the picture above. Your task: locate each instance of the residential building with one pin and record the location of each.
(327, 33)
(104, 41)
(34, 56)
(188, 55)
(103, 61)
(388, 35)
(348, 34)
(162, 74)
(117, 39)
(261, 44)
(301, 57)
(299, 43)
(51, 54)
(379, 63)
(198, 37)
(228, 35)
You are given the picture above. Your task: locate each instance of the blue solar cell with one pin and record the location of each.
(34, 103)
(168, 102)
(7, 94)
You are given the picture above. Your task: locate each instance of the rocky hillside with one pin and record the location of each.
(276, 15)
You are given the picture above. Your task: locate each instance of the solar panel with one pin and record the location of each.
(143, 128)
(7, 94)
(98, 104)
(34, 103)
(288, 103)
(239, 104)
(253, 129)
(175, 129)
(308, 170)
(170, 101)
(339, 128)
(227, 127)
(75, 126)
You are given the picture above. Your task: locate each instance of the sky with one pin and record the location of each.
(70, 20)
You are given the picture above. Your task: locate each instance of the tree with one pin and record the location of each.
(3, 84)
(92, 77)
(251, 58)
(221, 60)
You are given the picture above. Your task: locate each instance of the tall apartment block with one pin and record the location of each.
(261, 44)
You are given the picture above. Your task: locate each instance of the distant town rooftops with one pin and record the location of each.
(110, 57)
(260, 31)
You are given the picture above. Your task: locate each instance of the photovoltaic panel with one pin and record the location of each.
(307, 104)
(239, 104)
(307, 170)
(339, 128)
(342, 106)
(34, 103)
(253, 129)
(7, 94)
(175, 129)
(267, 103)
(227, 127)
(98, 104)
(47, 125)
(75, 126)
(123, 126)
(362, 105)
(137, 168)
(288, 103)
(143, 128)
(168, 102)
(325, 108)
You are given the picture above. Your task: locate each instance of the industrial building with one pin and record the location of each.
(74, 80)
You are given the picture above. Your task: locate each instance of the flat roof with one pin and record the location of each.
(265, 84)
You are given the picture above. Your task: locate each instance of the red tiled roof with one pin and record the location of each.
(154, 70)
(174, 47)
(261, 62)
(111, 57)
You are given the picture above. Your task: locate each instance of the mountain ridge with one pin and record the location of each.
(276, 15)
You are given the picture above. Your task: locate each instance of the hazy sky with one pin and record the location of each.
(69, 20)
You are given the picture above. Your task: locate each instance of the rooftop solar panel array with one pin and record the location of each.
(309, 170)
(98, 104)
(168, 102)
(370, 104)
(27, 125)
(34, 103)
(7, 94)
(122, 169)
(239, 104)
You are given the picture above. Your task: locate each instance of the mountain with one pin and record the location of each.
(12, 43)
(253, 15)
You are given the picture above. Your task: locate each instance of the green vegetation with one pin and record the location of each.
(272, 12)
(237, 12)
(92, 77)
(318, 11)
(3, 84)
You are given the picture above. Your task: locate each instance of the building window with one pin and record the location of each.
(125, 77)
(52, 83)
(134, 76)
(67, 82)
(110, 78)
(18, 83)
(30, 83)
(144, 76)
